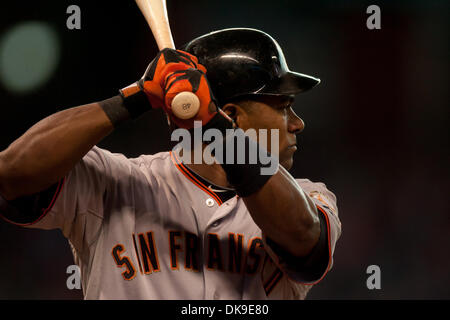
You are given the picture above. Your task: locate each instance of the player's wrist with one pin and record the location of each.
(135, 100)
(115, 110)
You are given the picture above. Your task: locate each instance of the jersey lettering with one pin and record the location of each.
(214, 252)
(235, 252)
(253, 255)
(236, 260)
(130, 272)
(191, 251)
(174, 248)
(148, 252)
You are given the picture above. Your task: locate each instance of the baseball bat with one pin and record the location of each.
(186, 104)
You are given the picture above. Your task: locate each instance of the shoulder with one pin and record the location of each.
(116, 168)
(108, 157)
(154, 165)
(153, 160)
(319, 192)
(310, 186)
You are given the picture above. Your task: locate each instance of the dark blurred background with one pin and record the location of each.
(376, 127)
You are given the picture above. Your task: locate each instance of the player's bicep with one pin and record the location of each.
(312, 268)
(58, 207)
(303, 269)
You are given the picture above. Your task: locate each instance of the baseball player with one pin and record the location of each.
(160, 227)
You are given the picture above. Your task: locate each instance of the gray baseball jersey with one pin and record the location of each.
(147, 228)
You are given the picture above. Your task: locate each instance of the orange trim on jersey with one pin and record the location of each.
(325, 204)
(193, 179)
(55, 196)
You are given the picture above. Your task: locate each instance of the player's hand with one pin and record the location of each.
(176, 71)
(170, 73)
(193, 80)
(153, 81)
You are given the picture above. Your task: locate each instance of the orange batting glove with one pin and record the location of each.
(170, 73)
(148, 92)
(192, 80)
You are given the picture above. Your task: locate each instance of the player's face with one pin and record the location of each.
(276, 113)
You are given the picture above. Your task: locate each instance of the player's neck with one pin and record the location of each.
(211, 172)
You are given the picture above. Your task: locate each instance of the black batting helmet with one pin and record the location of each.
(243, 61)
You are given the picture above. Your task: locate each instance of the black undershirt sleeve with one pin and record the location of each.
(28, 209)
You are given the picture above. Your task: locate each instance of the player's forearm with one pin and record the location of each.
(50, 149)
(285, 214)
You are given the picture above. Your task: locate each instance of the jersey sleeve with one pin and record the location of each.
(312, 268)
(29, 209)
(76, 204)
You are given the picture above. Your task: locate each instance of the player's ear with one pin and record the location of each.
(236, 112)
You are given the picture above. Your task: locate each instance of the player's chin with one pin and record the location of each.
(287, 164)
(287, 161)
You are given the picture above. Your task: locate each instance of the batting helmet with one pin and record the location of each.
(242, 61)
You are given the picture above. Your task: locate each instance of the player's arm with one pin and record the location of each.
(277, 204)
(285, 214)
(50, 148)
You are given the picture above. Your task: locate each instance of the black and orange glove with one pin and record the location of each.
(172, 72)
(148, 92)
(192, 80)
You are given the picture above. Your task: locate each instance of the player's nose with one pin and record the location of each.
(296, 124)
